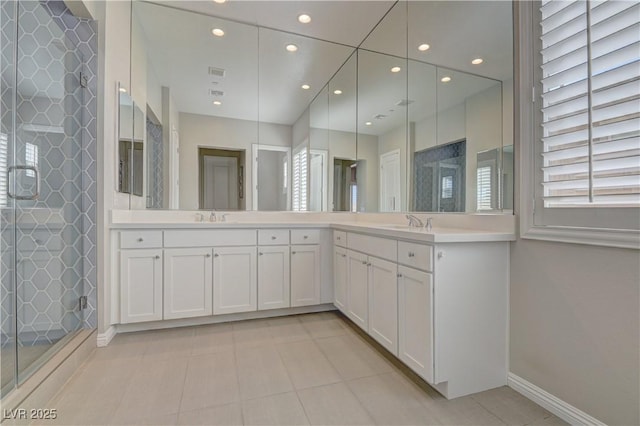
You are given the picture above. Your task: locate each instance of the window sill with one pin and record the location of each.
(590, 236)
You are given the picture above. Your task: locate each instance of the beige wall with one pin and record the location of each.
(575, 325)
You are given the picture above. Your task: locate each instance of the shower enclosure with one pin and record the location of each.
(47, 183)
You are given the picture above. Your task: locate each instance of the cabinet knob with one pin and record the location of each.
(260, 254)
(440, 254)
(399, 275)
(207, 255)
(293, 252)
(273, 237)
(338, 238)
(305, 237)
(344, 255)
(140, 240)
(364, 262)
(369, 264)
(157, 257)
(216, 255)
(411, 254)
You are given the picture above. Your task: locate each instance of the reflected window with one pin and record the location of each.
(31, 157)
(300, 180)
(4, 183)
(447, 187)
(484, 188)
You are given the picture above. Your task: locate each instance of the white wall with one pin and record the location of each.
(205, 131)
(369, 178)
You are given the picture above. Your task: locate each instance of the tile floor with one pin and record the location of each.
(298, 370)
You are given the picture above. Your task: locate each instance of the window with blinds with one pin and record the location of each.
(299, 185)
(590, 59)
(4, 182)
(484, 186)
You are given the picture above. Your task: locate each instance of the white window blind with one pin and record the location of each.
(31, 157)
(300, 180)
(4, 183)
(484, 188)
(590, 58)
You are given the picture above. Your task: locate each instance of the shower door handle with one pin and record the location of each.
(36, 173)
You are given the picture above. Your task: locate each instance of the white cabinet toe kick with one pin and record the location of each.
(442, 309)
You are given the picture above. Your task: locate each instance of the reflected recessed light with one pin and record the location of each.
(477, 61)
(291, 47)
(217, 32)
(306, 87)
(368, 123)
(396, 69)
(304, 18)
(423, 47)
(220, 1)
(122, 90)
(445, 79)
(337, 92)
(217, 103)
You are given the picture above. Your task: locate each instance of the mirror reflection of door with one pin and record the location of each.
(390, 181)
(221, 173)
(271, 177)
(345, 187)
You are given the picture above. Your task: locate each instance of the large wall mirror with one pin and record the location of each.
(239, 116)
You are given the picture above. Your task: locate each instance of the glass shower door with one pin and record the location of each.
(45, 186)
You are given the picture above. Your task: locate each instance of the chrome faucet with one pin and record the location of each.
(429, 225)
(212, 216)
(223, 218)
(414, 221)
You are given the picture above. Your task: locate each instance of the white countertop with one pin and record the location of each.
(437, 234)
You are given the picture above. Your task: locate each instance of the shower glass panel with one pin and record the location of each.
(42, 212)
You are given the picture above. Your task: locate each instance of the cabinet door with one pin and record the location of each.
(340, 278)
(415, 321)
(305, 275)
(273, 277)
(383, 303)
(235, 280)
(357, 290)
(140, 285)
(187, 283)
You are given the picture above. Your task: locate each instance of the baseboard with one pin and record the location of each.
(105, 338)
(560, 408)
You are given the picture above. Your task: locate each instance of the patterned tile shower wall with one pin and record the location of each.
(56, 130)
(154, 143)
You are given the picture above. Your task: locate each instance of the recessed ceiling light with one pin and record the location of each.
(368, 123)
(396, 69)
(477, 61)
(304, 18)
(423, 47)
(122, 90)
(337, 92)
(306, 87)
(220, 1)
(217, 32)
(291, 47)
(445, 79)
(217, 103)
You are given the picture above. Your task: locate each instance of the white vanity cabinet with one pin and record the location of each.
(187, 282)
(274, 281)
(140, 285)
(440, 308)
(340, 278)
(235, 280)
(305, 267)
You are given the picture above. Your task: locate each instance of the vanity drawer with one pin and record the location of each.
(273, 237)
(210, 238)
(340, 238)
(415, 255)
(305, 236)
(140, 239)
(375, 246)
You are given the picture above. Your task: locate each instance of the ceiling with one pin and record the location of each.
(258, 67)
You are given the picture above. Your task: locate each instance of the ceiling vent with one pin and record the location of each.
(380, 116)
(404, 102)
(217, 72)
(216, 92)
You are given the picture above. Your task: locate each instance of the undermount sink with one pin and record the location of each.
(406, 227)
